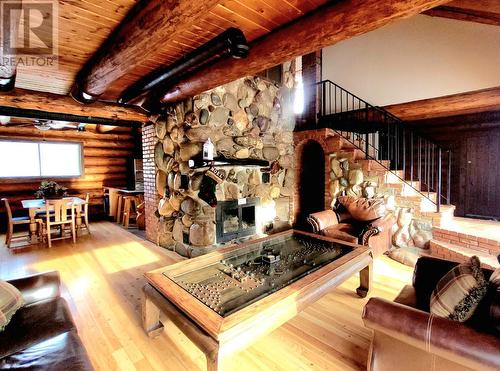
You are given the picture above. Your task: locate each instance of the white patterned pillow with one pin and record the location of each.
(11, 300)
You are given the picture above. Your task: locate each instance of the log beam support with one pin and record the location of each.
(148, 26)
(35, 101)
(450, 105)
(328, 25)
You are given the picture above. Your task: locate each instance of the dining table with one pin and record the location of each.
(36, 206)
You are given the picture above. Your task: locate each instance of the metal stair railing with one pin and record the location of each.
(383, 136)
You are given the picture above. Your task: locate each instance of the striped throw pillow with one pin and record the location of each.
(459, 292)
(494, 309)
(10, 301)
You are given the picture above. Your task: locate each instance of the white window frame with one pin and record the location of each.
(41, 177)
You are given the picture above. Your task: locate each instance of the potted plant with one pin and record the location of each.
(50, 190)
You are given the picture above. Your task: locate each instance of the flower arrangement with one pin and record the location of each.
(50, 189)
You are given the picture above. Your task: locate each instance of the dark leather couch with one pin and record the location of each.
(407, 336)
(363, 221)
(42, 335)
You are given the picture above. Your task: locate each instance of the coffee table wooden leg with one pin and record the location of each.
(150, 317)
(213, 362)
(365, 280)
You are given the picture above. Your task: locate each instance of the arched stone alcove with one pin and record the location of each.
(310, 180)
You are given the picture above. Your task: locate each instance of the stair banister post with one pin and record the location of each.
(329, 100)
(367, 156)
(335, 99)
(433, 164)
(404, 151)
(388, 141)
(428, 164)
(419, 161)
(448, 185)
(323, 99)
(411, 157)
(438, 196)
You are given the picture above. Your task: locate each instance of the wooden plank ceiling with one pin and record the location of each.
(84, 25)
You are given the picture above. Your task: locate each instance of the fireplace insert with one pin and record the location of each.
(235, 218)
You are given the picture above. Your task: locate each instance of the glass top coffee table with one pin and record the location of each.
(225, 300)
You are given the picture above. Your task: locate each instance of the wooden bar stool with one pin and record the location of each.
(141, 217)
(129, 210)
(119, 208)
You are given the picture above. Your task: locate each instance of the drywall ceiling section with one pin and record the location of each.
(416, 58)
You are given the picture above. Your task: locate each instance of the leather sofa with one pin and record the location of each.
(407, 336)
(42, 335)
(357, 220)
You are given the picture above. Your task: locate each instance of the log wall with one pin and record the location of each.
(108, 161)
(474, 141)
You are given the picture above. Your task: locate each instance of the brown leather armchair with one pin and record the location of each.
(42, 335)
(363, 221)
(405, 333)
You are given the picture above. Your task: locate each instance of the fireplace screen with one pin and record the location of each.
(235, 219)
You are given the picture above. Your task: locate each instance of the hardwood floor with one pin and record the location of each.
(103, 276)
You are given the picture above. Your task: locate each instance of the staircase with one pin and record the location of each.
(412, 168)
(406, 193)
(418, 167)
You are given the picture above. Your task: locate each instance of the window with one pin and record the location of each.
(298, 99)
(19, 159)
(273, 74)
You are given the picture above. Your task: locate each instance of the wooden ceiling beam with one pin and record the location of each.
(63, 104)
(146, 29)
(492, 6)
(327, 25)
(461, 14)
(456, 104)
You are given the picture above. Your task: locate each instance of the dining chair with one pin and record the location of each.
(60, 213)
(12, 221)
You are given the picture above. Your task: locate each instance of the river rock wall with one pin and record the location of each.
(250, 118)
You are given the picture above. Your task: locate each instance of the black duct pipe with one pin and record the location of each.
(231, 42)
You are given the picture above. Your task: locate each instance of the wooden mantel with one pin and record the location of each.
(330, 24)
(55, 103)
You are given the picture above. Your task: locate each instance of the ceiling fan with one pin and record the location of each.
(44, 125)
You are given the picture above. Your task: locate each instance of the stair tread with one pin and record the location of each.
(488, 231)
(484, 257)
(446, 208)
(420, 197)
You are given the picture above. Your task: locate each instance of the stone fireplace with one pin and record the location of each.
(248, 119)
